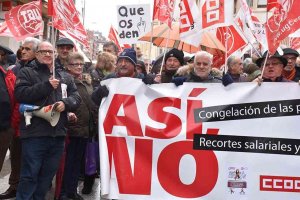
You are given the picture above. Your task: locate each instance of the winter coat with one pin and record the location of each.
(97, 76)
(192, 77)
(33, 87)
(86, 113)
(237, 78)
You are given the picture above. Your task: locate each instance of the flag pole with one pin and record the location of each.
(149, 54)
(165, 51)
(226, 49)
(263, 69)
(241, 31)
(53, 43)
(167, 39)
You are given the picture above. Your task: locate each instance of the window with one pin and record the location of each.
(261, 3)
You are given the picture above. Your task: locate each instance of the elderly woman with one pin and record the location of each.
(106, 64)
(79, 130)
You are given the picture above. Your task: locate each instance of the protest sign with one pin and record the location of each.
(133, 22)
(199, 141)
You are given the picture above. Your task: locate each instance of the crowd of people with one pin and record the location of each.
(41, 74)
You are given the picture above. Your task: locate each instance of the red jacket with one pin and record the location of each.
(10, 80)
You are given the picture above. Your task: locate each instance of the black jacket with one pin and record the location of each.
(97, 76)
(33, 87)
(86, 113)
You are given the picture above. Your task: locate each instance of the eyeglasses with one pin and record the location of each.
(290, 57)
(76, 64)
(45, 52)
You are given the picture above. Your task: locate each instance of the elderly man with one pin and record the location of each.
(64, 47)
(126, 67)
(28, 51)
(43, 144)
(235, 69)
(199, 71)
(291, 71)
(273, 68)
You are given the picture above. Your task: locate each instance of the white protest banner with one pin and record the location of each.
(199, 141)
(133, 22)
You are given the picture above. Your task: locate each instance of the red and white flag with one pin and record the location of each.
(273, 4)
(114, 37)
(189, 27)
(231, 39)
(163, 11)
(66, 18)
(25, 20)
(295, 43)
(4, 30)
(284, 21)
(243, 25)
(216, 13)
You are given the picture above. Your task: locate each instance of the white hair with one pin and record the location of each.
(203, 54)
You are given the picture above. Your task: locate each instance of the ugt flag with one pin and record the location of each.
(284, 21)
(25, 20)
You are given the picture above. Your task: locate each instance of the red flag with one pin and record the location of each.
(272, 4)
(163, 10)
(50, 8)
(189, 29)
(295, 43)
(216, 13)
(284, 21)
(66, 18)
(4, 30)
(25, 20)
(113, 36)
(233, 38)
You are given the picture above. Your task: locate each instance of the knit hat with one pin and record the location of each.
(290, 51)
(177, 54)
(276, 55)
(129, 54)
(65, 41)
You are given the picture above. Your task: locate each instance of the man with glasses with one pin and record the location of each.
(273, 67)
(291, 71)
(43, 144)
(64, 47)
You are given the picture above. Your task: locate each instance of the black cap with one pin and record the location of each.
(290, 51)
(177, 54)
(276, 55)
(65, 41)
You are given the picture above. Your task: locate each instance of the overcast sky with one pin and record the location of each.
(101, 14)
